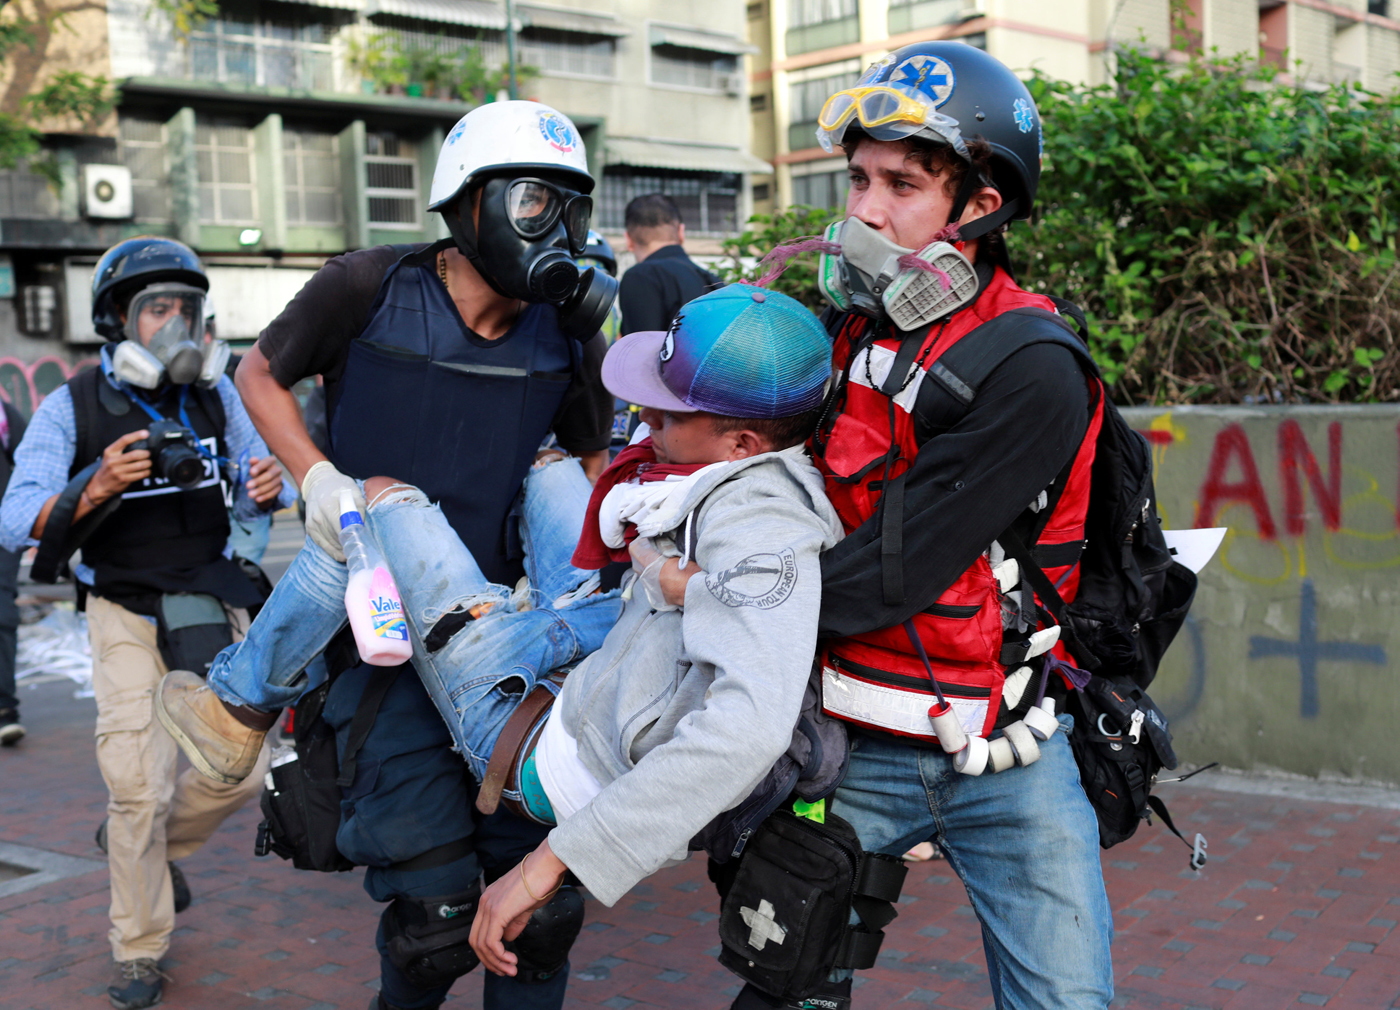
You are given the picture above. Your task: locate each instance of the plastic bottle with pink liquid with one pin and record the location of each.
(371, 599)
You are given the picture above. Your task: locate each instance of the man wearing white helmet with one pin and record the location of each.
(446, 365)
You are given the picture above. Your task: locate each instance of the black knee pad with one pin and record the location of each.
(428, 939)
(543, 945)
(831, 996)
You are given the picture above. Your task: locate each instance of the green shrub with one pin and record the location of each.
(1232, 238)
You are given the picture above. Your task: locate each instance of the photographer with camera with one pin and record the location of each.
(135, 462)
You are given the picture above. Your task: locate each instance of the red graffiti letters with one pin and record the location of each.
(1293, 451)
(1232, 443)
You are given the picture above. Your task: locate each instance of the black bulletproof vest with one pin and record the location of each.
(426, 401)
(157, 526)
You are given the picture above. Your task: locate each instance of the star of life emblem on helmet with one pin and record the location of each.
(557, 132)
(930, 75)
(1025, 115)
(762, 926)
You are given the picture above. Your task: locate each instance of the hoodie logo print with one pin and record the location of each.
(760, 580)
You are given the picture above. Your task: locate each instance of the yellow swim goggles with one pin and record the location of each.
(886, 113)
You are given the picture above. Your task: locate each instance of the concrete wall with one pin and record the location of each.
(1290, 655)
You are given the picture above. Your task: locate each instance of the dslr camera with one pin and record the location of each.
(175, 453)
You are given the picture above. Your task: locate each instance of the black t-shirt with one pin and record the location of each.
(655, 289)
(314, 332)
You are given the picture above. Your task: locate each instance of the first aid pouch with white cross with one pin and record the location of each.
(806, 899)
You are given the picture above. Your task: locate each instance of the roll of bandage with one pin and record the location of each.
(1000, 754)
(972, 759)
(1042, 722)
(951, 736)
(1023, 743)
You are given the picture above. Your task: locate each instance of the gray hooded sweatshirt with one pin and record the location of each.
(680, 714)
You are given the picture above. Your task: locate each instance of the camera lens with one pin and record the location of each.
(181, 466)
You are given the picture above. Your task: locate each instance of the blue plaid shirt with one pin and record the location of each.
(45, 455)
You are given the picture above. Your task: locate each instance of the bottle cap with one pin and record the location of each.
(349, 515)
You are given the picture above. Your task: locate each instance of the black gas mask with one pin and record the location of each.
(528, 233)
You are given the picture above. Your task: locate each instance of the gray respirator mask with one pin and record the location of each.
(176, 352)
(868, 277)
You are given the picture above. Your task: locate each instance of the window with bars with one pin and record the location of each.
(568, 52)
(807, 99)
(272, 54)
(224, 155)
(708, 201)
(143, 150)
(815, 12)
(391, 169)
(311, 171)
(691, 68)
(821, 189)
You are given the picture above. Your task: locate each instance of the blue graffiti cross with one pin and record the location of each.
(1309, 651)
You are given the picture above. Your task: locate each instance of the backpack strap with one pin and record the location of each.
(362, 722)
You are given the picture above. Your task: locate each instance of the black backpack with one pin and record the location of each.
(1133, 596)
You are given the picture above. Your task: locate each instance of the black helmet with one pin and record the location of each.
(600, 250)
(133, 264)
(965, 94)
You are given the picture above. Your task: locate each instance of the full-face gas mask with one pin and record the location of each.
(165, 343)
(524, 244)
(875, 277)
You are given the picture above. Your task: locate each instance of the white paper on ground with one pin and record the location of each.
(1193, 548)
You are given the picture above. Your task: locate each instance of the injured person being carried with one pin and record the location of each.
(666, 733)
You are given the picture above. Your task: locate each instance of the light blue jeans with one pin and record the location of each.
(1026, 845)
(480, 674)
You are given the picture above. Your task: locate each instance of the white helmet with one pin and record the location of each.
(508, 135)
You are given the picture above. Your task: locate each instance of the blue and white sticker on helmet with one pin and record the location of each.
(557, 132)
(1024, 113)
(457, 131)
(929, 75)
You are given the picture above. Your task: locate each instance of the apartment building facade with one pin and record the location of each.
(270, 139)
(808, 49)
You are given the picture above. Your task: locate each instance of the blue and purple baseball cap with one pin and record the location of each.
(740, 351)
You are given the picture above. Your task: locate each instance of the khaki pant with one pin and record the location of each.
(152, 815)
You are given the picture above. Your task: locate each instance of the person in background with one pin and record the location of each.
(664, 278)
(11, 731)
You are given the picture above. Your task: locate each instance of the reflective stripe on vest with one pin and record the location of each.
(963, 630)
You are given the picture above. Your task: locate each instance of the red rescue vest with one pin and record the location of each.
(876, 679)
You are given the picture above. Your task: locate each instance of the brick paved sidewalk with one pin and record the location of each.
(1297, 906)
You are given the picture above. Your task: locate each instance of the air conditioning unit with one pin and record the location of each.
(107, 192)
(731, 84)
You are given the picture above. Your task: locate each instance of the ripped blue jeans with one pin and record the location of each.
(478, 676)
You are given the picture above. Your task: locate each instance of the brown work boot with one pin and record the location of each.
(221, 740)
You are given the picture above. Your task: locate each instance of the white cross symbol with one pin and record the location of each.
(762, 928)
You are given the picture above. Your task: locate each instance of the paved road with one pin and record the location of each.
(1298, 906)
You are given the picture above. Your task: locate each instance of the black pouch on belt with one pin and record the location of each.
(786, 920)
(193, 629)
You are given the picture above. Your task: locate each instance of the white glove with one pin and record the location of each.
(321, 489)
(647, 562)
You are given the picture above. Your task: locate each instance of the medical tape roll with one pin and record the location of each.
(947, 727)
(1001, 754)
(1041, 721)
(972, 759)
(1023, 743)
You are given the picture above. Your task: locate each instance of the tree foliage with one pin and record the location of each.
(1231, 236)
(768, 231)
(386, 62)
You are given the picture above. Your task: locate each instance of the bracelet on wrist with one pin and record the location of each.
(526, 884)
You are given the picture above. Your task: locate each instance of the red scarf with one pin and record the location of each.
(636, 462)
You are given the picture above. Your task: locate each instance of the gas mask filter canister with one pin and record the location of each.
(876, 277)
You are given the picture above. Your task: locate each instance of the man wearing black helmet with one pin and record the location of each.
(957, 445)
(445, 365)
(159, 587)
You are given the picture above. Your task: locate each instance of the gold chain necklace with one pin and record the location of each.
(442, 270)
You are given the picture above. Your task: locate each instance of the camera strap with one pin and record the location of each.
(184, 414)
(61, 536)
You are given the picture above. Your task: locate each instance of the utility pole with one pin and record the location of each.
(513, 85)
